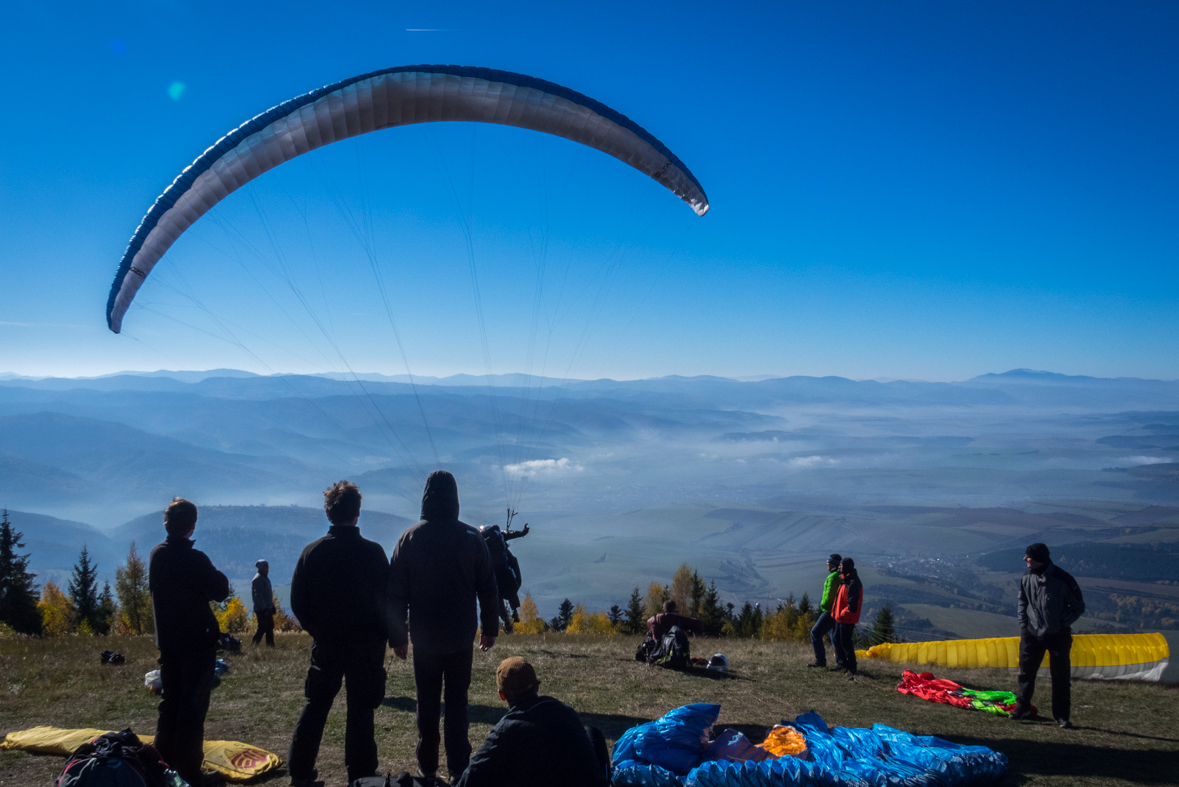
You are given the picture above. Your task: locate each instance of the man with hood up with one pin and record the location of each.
(1049, 603)
(848, 604)
(439, 568)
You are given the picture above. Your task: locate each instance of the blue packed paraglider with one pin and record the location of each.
(673, 751)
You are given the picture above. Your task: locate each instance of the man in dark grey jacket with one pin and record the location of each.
(1049, 603)
(539, 743)
(439, 567)
(263, 597)
(338, 593)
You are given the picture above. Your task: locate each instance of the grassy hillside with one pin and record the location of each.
(1126, 731)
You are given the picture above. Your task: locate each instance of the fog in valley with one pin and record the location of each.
(935, 488)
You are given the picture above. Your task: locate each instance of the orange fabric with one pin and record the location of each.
(840, 611)
(784, 741)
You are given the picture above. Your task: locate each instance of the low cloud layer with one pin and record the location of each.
(541, 467)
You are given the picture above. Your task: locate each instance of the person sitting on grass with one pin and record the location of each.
(539, 743)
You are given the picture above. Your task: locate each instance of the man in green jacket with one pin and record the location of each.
(825, 623)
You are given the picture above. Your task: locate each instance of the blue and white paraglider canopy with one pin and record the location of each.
(370, 102)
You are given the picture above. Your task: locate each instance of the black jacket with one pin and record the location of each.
(439, 567)
(1048, 601)
(539, 743)
(338, 591)
(183, 581)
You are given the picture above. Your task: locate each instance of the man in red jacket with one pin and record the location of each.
(846, 612)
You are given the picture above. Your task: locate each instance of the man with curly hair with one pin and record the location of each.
(339, 594)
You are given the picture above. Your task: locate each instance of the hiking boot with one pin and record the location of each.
(312, 781)
(1021, 713)
(838, 668)
(1064, 724)
(816, 665)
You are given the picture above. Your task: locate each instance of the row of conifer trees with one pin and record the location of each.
(82, 608)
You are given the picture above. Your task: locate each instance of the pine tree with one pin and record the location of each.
(884, 626)
(615, 615)
(134, 595)
(635, 622)
(83, 592)
(108, 610)
(18, 596)
(712, 615)
(564, 615)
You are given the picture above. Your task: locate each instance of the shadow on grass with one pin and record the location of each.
(1050, 758)
(612, 725)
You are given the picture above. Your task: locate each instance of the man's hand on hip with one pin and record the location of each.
(401, 651)
(486, 643)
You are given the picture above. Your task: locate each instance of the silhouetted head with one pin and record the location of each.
(516, 680)
(1036, 556)
(341, 503)
(180, 518)
(440, 500)
(669, 606)
(847, 565)
(833, 561)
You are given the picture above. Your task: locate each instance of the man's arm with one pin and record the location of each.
(854, 596)
(215, 583)
(486, 590)
(301, 596)
(397, 602)
(1021, 607)
(691, 624)
(1074, 602)
(488, 766)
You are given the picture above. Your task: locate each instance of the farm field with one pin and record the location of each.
(1126, 735)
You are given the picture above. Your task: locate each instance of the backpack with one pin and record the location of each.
(497, 547)
(673, 651)
(117, 759)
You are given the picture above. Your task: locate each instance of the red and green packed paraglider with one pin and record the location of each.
(927, 687)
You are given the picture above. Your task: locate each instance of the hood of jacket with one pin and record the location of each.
(440, 501)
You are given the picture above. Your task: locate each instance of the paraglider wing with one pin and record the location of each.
(385, 99)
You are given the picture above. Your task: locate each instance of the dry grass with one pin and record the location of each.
(1128, 733)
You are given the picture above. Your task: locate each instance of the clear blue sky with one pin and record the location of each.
(920, 190)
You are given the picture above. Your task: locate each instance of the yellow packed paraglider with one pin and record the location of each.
(1126, 656)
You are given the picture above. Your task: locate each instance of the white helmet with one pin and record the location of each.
(718, 663)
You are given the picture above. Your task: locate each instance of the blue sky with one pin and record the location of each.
(911, 190)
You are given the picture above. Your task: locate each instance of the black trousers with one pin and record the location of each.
(187, 681)
(1031, 655)
(265, 627)
(430, 672)
(825, 624)
(845, 648)
(362, 666)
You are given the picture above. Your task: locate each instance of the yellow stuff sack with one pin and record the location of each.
(237, 762)
(783, 741)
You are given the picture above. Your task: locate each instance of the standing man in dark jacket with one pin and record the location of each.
(849, 602)
(338, 593)
(826, 623)
(183, 581)
(263, 597)
(1049, 603)
(539, 743)
(439, 567)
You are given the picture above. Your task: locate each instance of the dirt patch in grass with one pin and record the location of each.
(1127, 733)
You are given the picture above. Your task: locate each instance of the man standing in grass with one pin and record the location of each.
(1049, 603)
(338, 593)
(849, 602)
(263, 595)
(826, 623)
(439, 567)
(182, 582)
